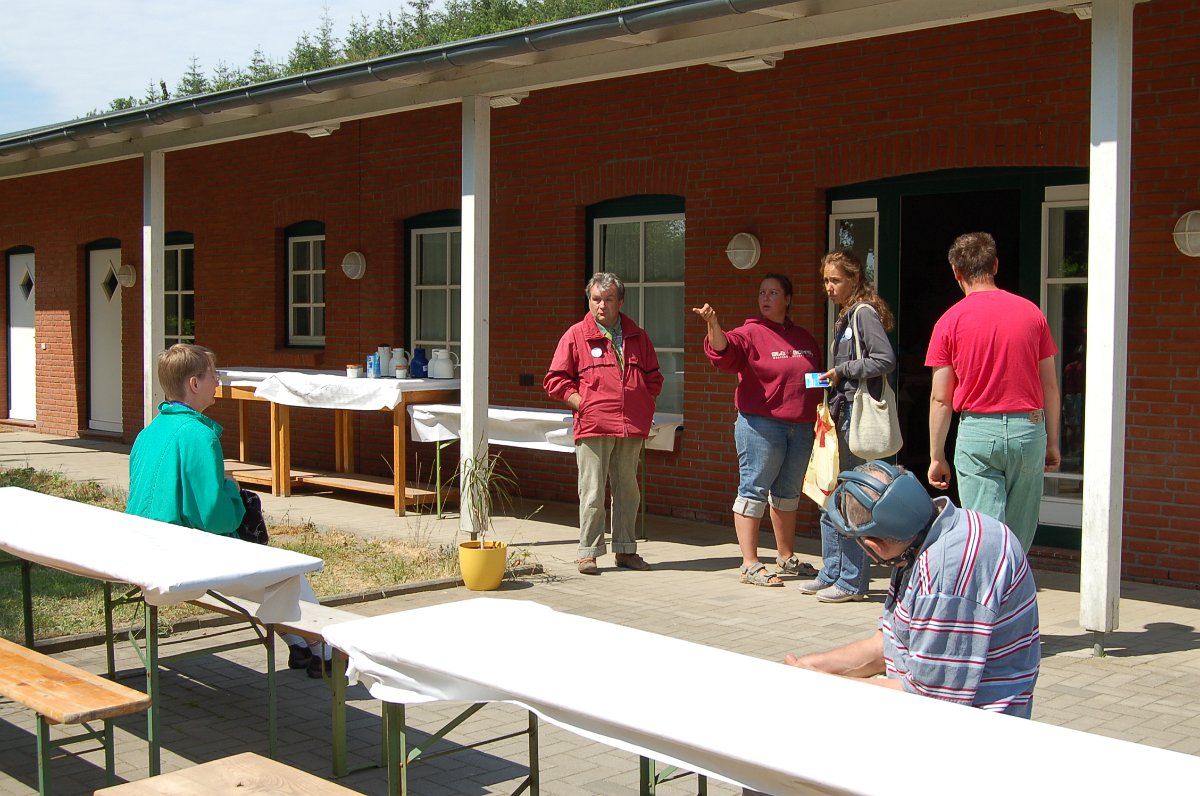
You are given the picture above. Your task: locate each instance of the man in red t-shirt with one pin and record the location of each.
(993, 361)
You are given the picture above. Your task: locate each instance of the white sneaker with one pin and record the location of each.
(811, 586)
(832, 594)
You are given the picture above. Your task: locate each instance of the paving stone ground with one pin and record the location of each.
(1146, 689)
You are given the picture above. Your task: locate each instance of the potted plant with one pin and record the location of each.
(487, 484)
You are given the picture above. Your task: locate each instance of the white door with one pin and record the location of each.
(104, 340)
(22, 347)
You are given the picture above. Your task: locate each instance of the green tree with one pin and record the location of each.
(226, 76)
(155, 93)
(193, 81)
(262, 68)
(316, 52)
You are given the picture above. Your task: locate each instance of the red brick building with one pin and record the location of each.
(892, 126)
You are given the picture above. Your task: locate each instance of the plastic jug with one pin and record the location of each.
(443, 364)
(400, 363)
(418, 366)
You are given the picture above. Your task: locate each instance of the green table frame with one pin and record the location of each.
(145, 642)
(400, 755)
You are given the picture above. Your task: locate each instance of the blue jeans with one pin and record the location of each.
(772, 457)
(1000, 461)
(843, 563)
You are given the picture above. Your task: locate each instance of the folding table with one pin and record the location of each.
(163, 564)
(734, 717)
(311, 389)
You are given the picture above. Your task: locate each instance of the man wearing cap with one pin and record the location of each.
(960, 622)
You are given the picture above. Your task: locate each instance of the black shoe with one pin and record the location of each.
(315, 666)
(298, 656)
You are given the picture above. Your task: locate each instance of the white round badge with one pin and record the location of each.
(597, 352)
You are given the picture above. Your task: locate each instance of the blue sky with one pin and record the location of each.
(63, 58)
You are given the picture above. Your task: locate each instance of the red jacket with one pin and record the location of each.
(613, 404)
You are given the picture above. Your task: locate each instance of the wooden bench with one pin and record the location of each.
(314, 618)
(246, 773)
(63, 694)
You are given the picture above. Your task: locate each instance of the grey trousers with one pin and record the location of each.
(612, 461)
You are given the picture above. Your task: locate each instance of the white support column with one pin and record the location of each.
(153, 242)
(476, 283)
(1107, 317)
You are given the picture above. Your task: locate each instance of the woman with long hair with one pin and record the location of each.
(844, 574)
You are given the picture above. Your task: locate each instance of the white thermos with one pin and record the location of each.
(385, 360)
(400, 363)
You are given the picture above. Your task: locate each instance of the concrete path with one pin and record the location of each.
(1147, 689)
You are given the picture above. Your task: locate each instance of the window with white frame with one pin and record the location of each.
(647, 252)
(179, 293)
(1064, 301)
(853, 225)
(306, 284)
(436, 256)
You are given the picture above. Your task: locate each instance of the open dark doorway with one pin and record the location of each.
(929, 224)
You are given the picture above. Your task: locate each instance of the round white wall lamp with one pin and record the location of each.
(743, 251)
(1187, 233)
(354, 265)
(126, 275)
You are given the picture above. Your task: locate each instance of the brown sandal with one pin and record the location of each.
(587, 566)
(794, 566)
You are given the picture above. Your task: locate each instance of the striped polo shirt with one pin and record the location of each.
(961, 622)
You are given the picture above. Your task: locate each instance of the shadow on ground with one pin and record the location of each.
(1153, 639)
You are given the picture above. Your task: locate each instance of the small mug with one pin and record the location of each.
(401, 373)
(353, 371)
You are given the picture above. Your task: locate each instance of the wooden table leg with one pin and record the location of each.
(243, 425)
(339, 447)
(281, 450)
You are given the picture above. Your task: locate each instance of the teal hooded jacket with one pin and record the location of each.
(177, 473)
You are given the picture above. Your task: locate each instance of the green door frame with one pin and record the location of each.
(1031, 183)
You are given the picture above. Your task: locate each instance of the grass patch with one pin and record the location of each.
(65, 604)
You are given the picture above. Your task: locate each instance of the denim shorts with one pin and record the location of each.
(772, 457)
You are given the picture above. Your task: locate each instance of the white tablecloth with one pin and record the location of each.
(328, 389)
(542, 429)
(732, 716)
(252, 377)
(169, 563)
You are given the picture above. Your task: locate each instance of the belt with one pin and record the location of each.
(1034, 416)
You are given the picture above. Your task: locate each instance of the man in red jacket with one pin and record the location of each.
(606, 370)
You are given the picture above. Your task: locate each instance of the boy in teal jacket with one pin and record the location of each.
(177, 468)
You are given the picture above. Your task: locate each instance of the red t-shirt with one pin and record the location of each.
(994, 341)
